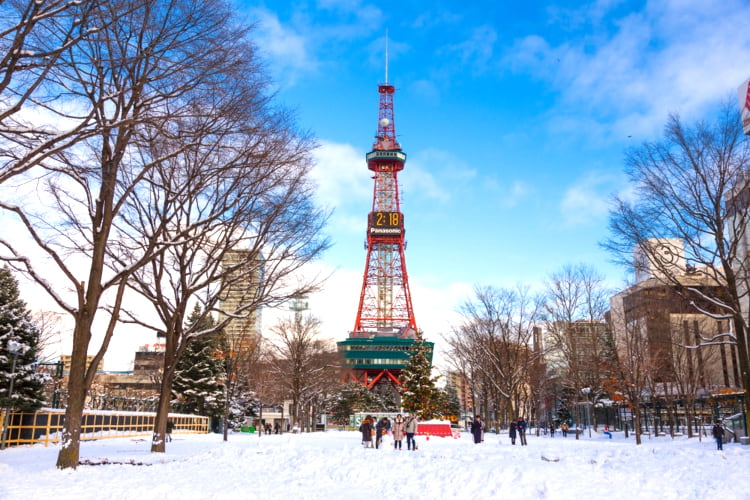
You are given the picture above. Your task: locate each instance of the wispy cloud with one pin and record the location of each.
(426, 90)
(342, 183)
(516, 193)
(477, 50)
(507, 193)
(669, 57)
(437, 175)
(436, 19)
(588, 200)
(313, 39)
(362, 12)
(421, 184)
(284, 47)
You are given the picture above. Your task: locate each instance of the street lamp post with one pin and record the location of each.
(15, 348)
(587, 391)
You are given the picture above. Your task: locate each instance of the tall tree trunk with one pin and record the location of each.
(77, 387)
(158, 438)
(743, 356)
(637, 420)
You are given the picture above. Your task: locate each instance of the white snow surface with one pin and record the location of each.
(333, 465)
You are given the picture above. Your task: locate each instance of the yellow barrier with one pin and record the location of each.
(45, 425)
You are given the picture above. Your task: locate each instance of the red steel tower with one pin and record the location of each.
(385, 307)
(382, 339)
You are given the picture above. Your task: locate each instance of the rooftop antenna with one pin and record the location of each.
(386, 56)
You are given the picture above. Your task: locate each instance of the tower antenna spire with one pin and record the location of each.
(386, 56)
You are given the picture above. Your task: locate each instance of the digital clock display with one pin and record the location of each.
(386, 223)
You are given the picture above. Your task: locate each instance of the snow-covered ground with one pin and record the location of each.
(333, 465)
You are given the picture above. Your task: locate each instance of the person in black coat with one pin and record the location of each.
(512, 432)
(366, 430)
(170, 428)
(477, 429)
(718, 433)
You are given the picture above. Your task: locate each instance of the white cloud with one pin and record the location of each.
(309, 41)
(436, 175)
(335, 305)
(436, 19)
(516, 193)
(588, 199)
(423, 184)
(477, 50)
(436, 312)
(363, 13)
(283, 47)
(507, 193)
(669, 57)
(343, 183)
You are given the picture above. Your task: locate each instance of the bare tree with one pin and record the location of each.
(237, 219)
(694, 363)
(50, 334)
(131, 82)
(25, 66)
(458, 365)
(636, 364)
(493, 345)
(243, 357)
(324, 383)
(305, 365)
(693, 185)
(576, 303)
(261, 377)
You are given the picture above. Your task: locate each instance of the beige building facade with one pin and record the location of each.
(677, 327)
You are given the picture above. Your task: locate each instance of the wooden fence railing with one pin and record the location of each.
(45, 425)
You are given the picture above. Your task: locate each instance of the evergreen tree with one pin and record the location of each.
(420, 394)
(198, 382)
(449, 404)
(16, 325)
(355, 398)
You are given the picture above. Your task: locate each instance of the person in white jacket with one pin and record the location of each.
(398, 428)
(410, 426)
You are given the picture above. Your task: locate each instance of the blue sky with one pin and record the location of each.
(515, 117)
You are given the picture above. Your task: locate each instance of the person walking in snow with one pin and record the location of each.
(366, 430)
(398, 431)
(564, 429)
(170, 428)
(410, 426)
(381, 428)
(512, 432)
(718, 433)
(477, 430)
(521, 428)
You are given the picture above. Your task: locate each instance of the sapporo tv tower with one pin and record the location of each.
(384, 331)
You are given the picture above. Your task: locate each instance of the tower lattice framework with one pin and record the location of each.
(383, 338)
(385, 306)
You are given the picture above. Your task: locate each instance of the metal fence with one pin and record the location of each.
(45, 425)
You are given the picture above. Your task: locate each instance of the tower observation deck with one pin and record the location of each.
(380, 343)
